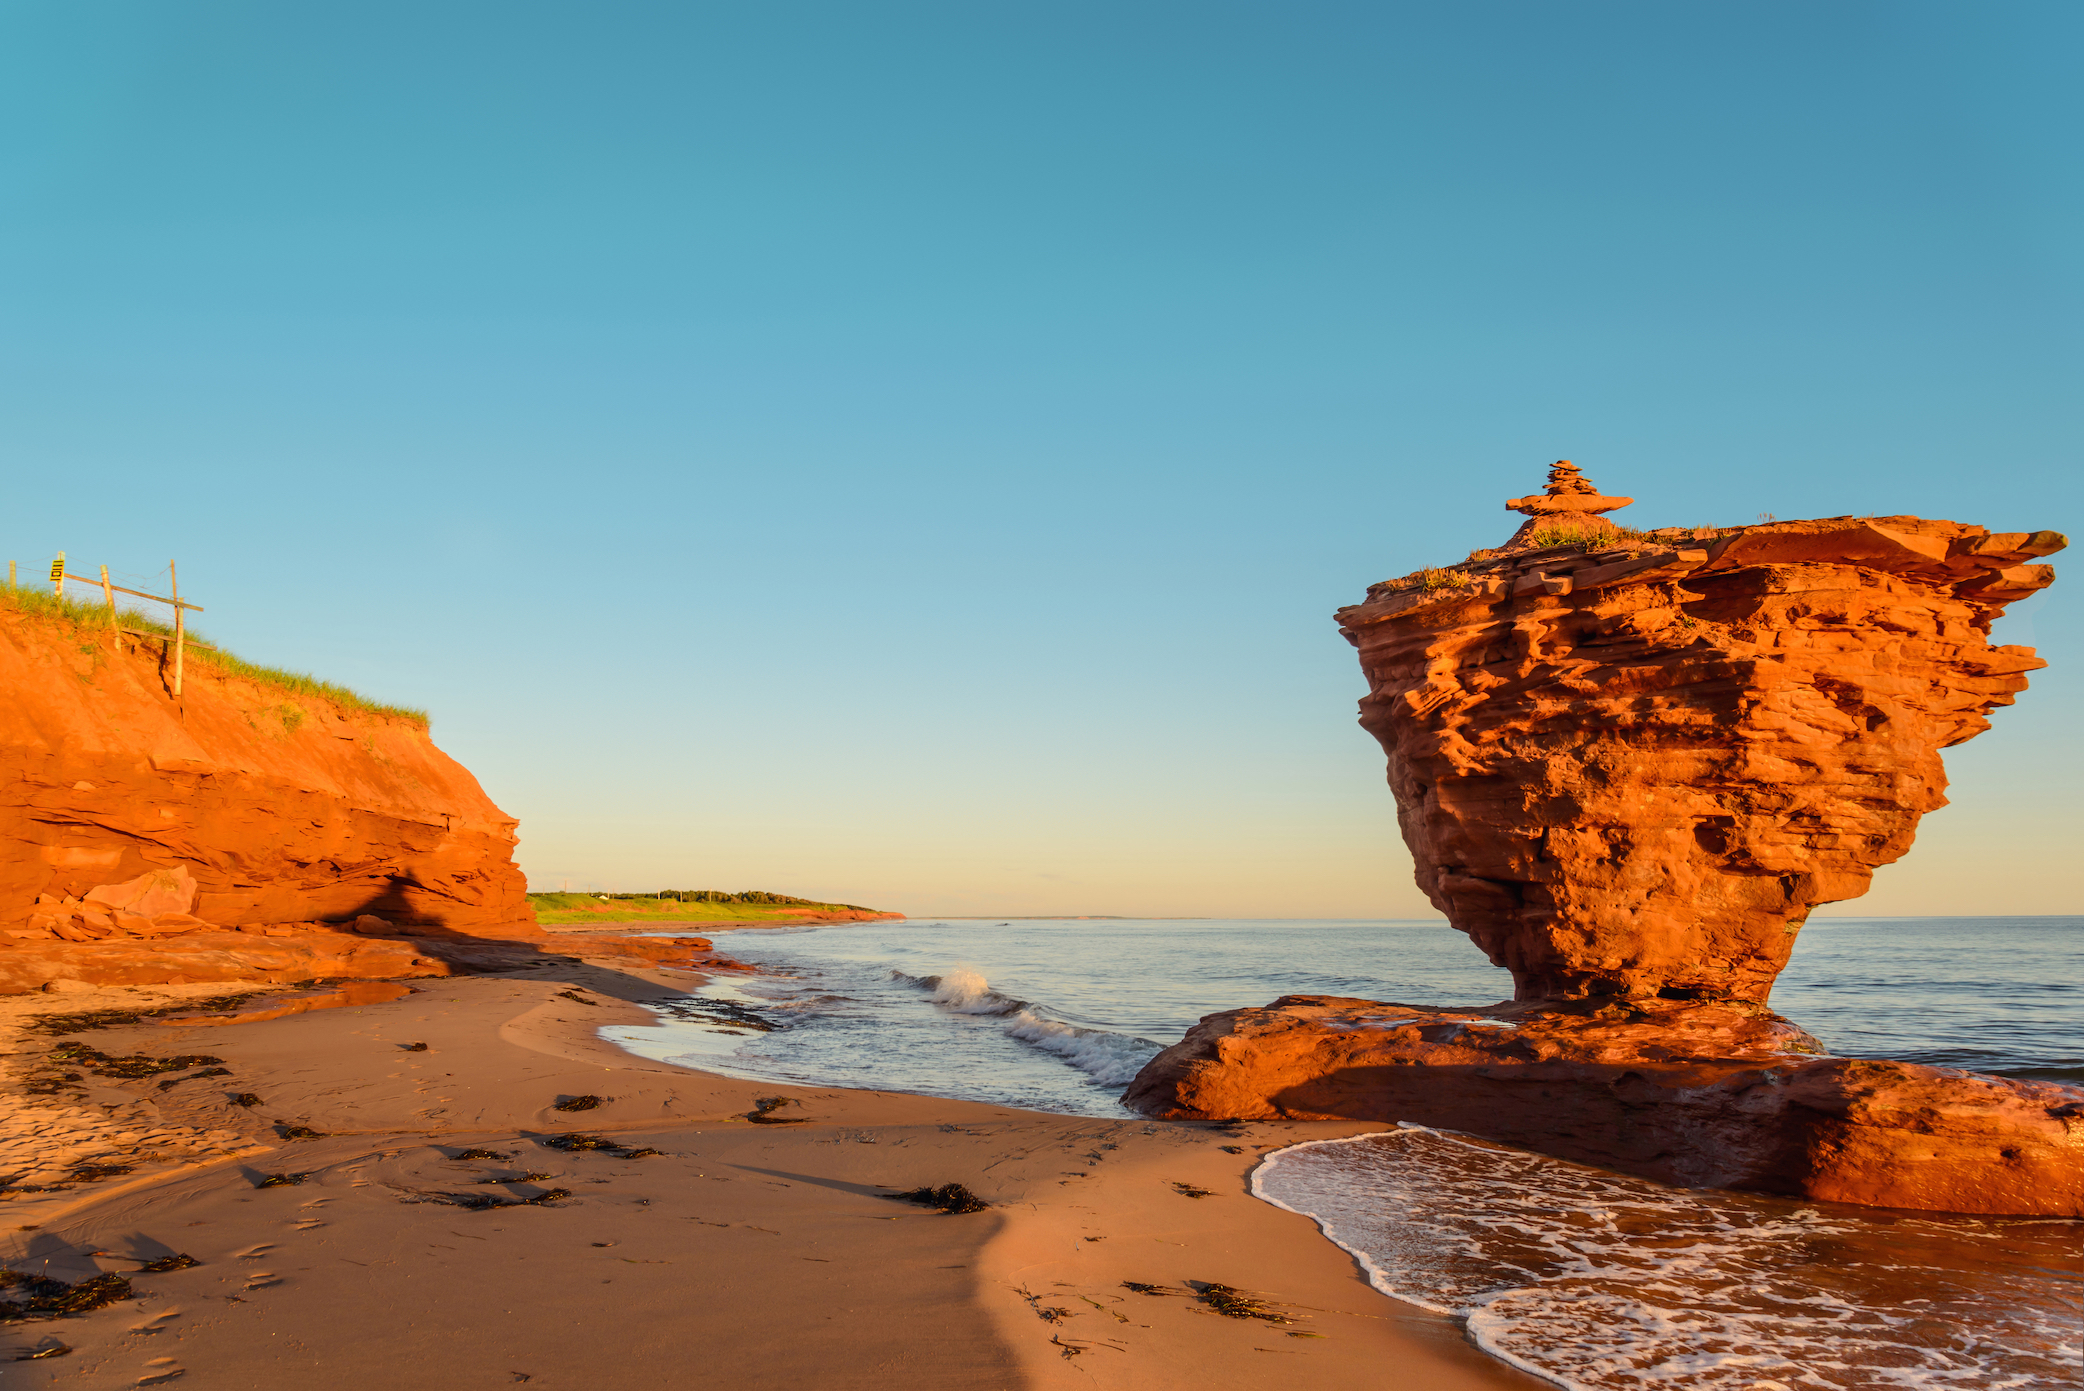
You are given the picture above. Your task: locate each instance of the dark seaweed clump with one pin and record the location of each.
(44, 1298)
(179, 1261)
(134, 1066)
(279, 1180)
(300, 1132)
(485, 1202)
(46, 1084)
(206, 1072)
(113, 1018)
(53, 1348)
(951, 1198)
(572, 1143)
(478, 1154)
(245, 1099)
(415, 1047)
(579, 1103)
(94, 1173)
(1188, 1190)
(1233, 1303)
(764, 1109)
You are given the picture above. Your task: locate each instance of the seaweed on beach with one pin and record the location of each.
(61, 1024)
(951, 1198)
(485, 1202)
(577, 998)
(414, 1047)
(247, 1099)
(1156, 1291)
(179, 1261)
(479, 1154)
(300, 1132)
(612, 1148)
(45, 1084)
(53, 1348)
(193, 1076)
(1188, 1190)
(45, 1298)
(764, 1109)
(95, 1173)
(518, 1178)
(581, 1103)
(134, 1066)
(1234, 1303)
(280, 1180)
(700, 1009)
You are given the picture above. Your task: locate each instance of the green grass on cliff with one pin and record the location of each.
(555, 909)
(89, 618)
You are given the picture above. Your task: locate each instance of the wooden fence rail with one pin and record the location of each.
(109, 591)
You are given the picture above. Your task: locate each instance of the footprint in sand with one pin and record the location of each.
(163, 1370)
(254, 1252)
(262, 1279)
(308, 1224)
(151, 1325)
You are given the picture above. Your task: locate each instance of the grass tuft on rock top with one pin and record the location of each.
(89, 617)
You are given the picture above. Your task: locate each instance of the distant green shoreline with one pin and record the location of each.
(686, 905)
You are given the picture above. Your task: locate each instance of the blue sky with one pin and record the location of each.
(909, 453)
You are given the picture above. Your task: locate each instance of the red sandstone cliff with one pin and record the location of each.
(1628, 766)
(1634, 769)
(138, 828)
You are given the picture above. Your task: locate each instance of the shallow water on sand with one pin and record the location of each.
(1597, 1280)
(1588, 1278)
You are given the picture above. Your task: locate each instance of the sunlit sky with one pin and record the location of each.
(909, 453)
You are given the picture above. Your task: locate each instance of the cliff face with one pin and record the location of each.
(1628, 765)
(1633, 771)
(128, 816)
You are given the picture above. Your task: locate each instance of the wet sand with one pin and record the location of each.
(742, 1254)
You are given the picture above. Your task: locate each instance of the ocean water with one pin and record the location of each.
(1591, 1279)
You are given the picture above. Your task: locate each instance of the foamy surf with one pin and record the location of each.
(1601, 1282)
(1109, 1058)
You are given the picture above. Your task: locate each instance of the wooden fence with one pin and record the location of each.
(179, 642)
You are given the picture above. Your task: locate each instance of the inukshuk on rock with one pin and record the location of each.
(1628, 765)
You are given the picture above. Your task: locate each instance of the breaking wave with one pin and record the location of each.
(1111, 1059)
(1602, 1282)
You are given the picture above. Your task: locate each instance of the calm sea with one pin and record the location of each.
(1588, 1278)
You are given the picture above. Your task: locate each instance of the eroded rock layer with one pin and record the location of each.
(1699, 1095)
(1633, 771)
(1628, 765)
(139, 827)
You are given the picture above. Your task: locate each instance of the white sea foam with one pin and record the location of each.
(1601, 1282)
(1111, 1058)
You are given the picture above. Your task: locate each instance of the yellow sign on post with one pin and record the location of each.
(58, 574)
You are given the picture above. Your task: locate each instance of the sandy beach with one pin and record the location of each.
(752, 1245)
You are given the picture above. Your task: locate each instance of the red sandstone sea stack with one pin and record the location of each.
(1628, 766)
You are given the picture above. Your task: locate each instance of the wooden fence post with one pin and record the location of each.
(173, 587)
(115, 628)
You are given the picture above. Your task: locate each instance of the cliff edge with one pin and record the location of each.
(140, 829)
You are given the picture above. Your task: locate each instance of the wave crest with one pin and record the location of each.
(1111, 1059)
